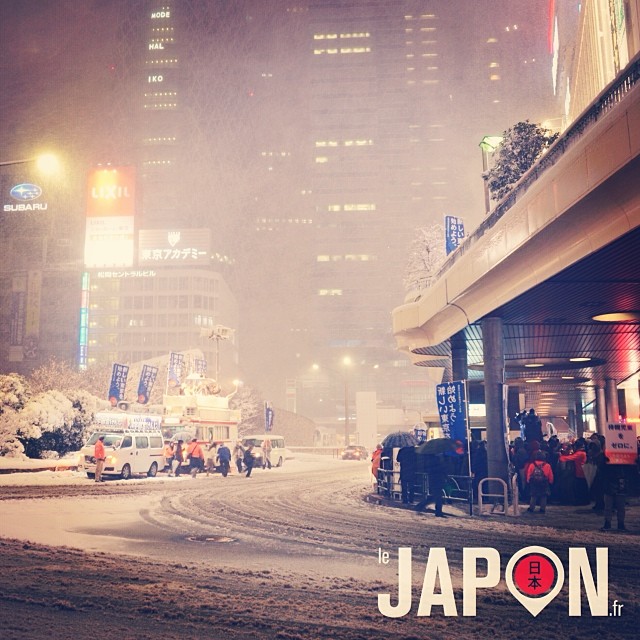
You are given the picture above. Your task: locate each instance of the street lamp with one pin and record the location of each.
(488, 145)
(346, 364)
(218, 333)
(46, 163)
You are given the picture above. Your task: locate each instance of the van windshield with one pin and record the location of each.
(110, 439)
(256, 442)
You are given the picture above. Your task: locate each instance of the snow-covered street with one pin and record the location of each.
(287, 553)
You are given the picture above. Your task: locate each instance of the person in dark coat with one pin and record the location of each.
(437, 471)
(407, 459)
(248, 460)
(532, 427)
(616, 482)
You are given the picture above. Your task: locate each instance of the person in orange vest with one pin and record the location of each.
(375, 462)
(168, 454)
(195, 455)
(100, 455)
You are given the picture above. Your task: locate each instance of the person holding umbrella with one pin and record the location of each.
(437, 472)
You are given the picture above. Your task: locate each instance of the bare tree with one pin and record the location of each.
(426, 254)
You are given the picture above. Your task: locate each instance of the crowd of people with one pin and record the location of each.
(195, 457)
(548, 471)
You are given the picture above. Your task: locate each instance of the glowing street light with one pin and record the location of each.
(488, 144)
(46, 163)
(346, 364)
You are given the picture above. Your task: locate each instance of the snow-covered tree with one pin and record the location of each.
(15, 392)
(250, 403)
(426, 255)
(14, 395)
(521, 146)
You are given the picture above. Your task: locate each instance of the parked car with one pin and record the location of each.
(354, 452)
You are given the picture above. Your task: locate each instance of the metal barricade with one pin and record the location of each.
(512, 509)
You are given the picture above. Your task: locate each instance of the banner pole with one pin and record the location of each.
(468, 429)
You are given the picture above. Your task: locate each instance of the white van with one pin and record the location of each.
(132, 446)
(278, 450)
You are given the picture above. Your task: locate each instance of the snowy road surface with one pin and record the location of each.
(288, 553)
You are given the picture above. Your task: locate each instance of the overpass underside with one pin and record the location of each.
(562, 249)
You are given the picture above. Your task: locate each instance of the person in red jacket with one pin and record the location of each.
(580, 486)
(100, 455)
(539, 479)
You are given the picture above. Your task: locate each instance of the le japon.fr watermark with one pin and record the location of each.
(534, 576)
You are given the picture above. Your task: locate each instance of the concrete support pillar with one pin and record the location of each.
(579, 416)
(459, 368)
(493, 353)
(571, 420)
(613, 412)
(601, 410)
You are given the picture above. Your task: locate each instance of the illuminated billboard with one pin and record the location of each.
(109, 235)
(111, 192)
(174, 247)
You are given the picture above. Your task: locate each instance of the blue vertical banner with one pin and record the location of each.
(200, 366)
(118, 384)
(452, 407)
(174, 375)
(454, 232)
(147, 378)
(268, 417)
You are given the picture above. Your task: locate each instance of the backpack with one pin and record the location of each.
(537, 475)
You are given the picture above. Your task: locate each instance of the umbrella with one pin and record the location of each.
(399, 439)
(185, 436)
(435, 446)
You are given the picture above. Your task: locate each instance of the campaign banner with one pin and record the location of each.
(147, 379)
(176, 363)
(268, 417)
(620, 443)
(200, 366)
(452, 408)
(454, 232)
(420, 433)
(118, 384)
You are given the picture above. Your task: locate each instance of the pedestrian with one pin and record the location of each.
(211, 457)
(616, 481)
(375, 462)
(195, 456)
(178, 458)
(168, 455)
(266, 453)
(597, 460)
(238, 455)
(539, 479)
(224, 458)
(532, 427)
(408, 460)
(100, 456)
(248, 459)
(580, 487)
(437, 471)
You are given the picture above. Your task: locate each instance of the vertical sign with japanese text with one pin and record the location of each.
(452, 408)
(118, 384)
(454, 232)
(147, 378)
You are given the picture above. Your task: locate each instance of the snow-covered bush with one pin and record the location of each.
(521, 146)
